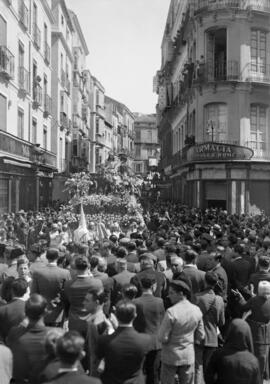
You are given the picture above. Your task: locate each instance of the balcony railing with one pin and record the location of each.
(37, 96)
(18, 147)
(63, 78)
(179, 157)
(64, 120)
(23, 15)
(223, 71)
(259, 149)
(47, 53)
(47, 106)
(6, 63)
(36, 36)
(259, 73)
(23, 80)
(214, 5)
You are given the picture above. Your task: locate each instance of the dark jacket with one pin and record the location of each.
(49, 282)
(11, 315)
(151, 273)
(29, 354)
(74, 378)
(196, 277)
(123, 352)
(150, 313)
(235, 362)
(255, 278)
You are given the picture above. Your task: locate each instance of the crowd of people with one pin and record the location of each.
(180, 296)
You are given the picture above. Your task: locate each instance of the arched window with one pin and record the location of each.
(216, 122)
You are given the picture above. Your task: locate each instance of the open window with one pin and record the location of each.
(217, 54)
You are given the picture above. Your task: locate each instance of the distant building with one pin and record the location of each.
(213, 104)
(146, 144)
(120, 120)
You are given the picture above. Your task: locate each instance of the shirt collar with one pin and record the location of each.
(65, 370)
(191, 265)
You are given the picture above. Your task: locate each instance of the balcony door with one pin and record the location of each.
(216, 54)
(216, 122)
(3, 32)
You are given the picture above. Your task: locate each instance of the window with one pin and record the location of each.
(60, 152)
(45, 86)
(138, 135)
(258, 51)
(3, 195)
(3, 113)
(62, 19)
(216, 118)
(149, 152)
(217, 54)
(138, 168)
(35, 14)
(149, 136)
(20, 123)
(34, 78)
(258, 124)
(97, 126)
(21, 54)
(45, 137)
(34, 131)
(97, 97)
(137, 151)
(45, 33)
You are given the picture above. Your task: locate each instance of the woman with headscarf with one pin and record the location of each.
(235, 362)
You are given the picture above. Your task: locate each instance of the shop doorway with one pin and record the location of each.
(222, 204)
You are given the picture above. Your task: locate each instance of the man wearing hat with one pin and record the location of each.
(180, 328)
(262, 274)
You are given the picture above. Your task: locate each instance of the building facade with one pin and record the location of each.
(122, 129)
(213, 104)
(27, 159)
(146, 144)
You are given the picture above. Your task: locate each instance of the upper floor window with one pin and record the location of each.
(258, 51)
(258, 125)
(3, 113)
(20, 123)
(216, 122)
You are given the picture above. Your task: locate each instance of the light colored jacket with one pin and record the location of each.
(180, 328)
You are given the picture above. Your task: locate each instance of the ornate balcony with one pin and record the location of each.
(179, 157)
(214, 5)
(224, 71)
(6, 63)
(259, 149)
(258, 73)
(17, 147)
(36, 36)
(47, 53)
(47, 106)
(23, 80)
(23, 15)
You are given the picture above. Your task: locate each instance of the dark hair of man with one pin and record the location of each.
(81, 263)
(211, 279)
(100, 296)
(113, 239)
(204, 244)
(35, 307)
(190, 256)
(52, 254)
(147, 282)
(15, 253)
(121, 252)
(22, 262)
(19, 287)
(139, 242)
(160, 242)
(69, 347)
(130, 291)
(125, 311)
(94, 260)
(131, 246)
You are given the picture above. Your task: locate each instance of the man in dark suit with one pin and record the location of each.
(123, 351)
(147, 261)
(150, 310)
(121, 279)
(70, 350)
(49, 282)
(13, 313)
(29, 353)
(132, 256)
(75, 292)
(262, 274)
(191, 270)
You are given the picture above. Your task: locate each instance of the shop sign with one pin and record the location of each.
(219, 151)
